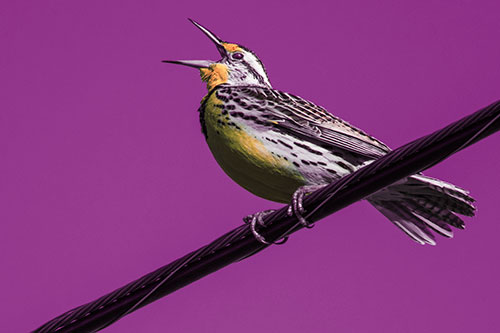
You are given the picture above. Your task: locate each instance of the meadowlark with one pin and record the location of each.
(281, 147)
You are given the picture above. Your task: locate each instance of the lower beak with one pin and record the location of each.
(191, 63)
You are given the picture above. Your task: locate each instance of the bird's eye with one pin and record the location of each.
(237, 56)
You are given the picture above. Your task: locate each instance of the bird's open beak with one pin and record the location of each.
(202, 63)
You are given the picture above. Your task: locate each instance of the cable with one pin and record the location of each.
(239, 243)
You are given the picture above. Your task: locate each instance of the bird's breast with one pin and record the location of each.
(239, 150)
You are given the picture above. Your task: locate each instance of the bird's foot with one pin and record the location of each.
(258, 218)
(296, 208)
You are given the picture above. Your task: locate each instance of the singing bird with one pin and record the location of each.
(281, 147)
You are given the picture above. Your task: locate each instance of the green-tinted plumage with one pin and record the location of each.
(274, 144)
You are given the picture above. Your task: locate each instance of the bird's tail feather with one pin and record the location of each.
(420, 205)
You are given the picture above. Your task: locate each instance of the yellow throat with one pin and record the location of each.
(214, 75)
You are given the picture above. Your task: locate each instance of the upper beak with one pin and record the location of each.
(202, 63)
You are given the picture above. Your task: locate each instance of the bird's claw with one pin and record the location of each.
(258, 218)
(296, 207)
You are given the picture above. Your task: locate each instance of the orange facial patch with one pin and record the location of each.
(231, 47)
(214, 75)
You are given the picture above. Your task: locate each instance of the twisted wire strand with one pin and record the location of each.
(239, 243)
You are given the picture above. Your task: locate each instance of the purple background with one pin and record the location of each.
(103, 163)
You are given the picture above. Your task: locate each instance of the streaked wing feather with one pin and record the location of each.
(312, 123)
(326, 136)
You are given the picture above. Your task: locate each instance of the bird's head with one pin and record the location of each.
(238, 66)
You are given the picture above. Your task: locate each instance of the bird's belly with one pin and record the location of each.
(248, 162)
(245, 159)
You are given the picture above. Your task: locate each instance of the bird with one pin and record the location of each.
(282, 147)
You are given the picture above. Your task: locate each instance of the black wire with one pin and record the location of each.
(240, 243)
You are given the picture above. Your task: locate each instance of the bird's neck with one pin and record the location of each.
(214, 75)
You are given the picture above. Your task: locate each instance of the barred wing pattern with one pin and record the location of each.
(312, 123)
